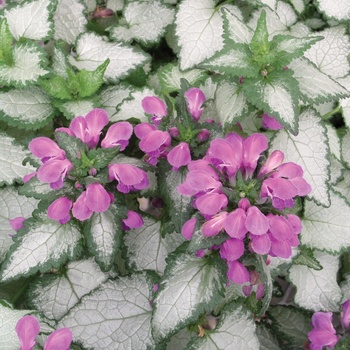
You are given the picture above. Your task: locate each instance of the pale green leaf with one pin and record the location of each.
(27, 108)
(103, 234)
(336, 173)
(345, 102)
(230, 102)
(8, 320)
(330, 55)
(291, 322)
(42, 245)
(314, 85)
(345, 287)
(236, 328)
(146, 249)
(59, 62)
(337, 9)
(12, 205)
(190, 287)
(310, 150)
(70, 20)
(343, 187)
(199, 31)
(333, 141)
(317, 290)
(27, 67)
(132, 108)
(146, 21)
(115, 5)
(11, 157)
(31, 19)
(115, 316)
(92, 50)
(72, 109)
(299, 5)
(327, 228)
(345, 148)
(54, 295)
(91, 5)
(112, 96)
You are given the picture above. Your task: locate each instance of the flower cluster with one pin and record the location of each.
(28, 328)
(323, 332)
(156, 143)
(236, 194)
(92, 194)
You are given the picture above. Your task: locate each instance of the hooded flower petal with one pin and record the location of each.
(79, 128)
(195, 99)
(54, 170)
(237, 272)
(97, 198)
(235, 224)
(117, 135)
(273, 161)
(213, 226)
(96, 120)
(281, 249)
(188, 228)
(80, 210)
(180, 155)
(271, 123)
(27, 329)
(155, 141)
(211, 203)
(141, 130)
(59, 340)
(59, 210)
(280, 228)
(154, 105)
(17, 223)
(260, 244)
(345, 314)
(232, 249)
(134, 220)
(256, 222)
(46, 149)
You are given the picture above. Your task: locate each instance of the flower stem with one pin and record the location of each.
(328, 115)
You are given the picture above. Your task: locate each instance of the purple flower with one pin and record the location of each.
(323, 332)
(256, 222)
(345, 314)
(117, 135)
(273, 161)
(211, 203)
(134, 220)
(17, 223)
(203, 135)
(89, 128)
(80, 209)
(59, 210)
(188, 228)
(195, 99)
(28, 328)
(235, 224)
(54, 171)
(129, 177)
(237, 272)
(27, 177)
(271, 123)
(213, 226)
(179, 156)
(232, 249)
(155, 106)
(46, 149)
(260, 244)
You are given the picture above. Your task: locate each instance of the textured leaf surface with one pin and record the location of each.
(235, 27)
(236, 327)
(230, 102)
(145, 21)
(44, 245)
(332, 222)
(199, 29)
(12, 205)
(293, 323)
(147, 250)
(190, 286)
(72, 109)
(338, 9)
(343, 187)
(70, 20)
(330, 55)
(103, 233)
(310, 150)
(92, 51)
(112, 96)
(8, 320)
(333, 140)
(317, 290)
(30, 107)
(31, 20)
(53, 295)
(11, 157)
(345, 102)
(345, 148)
(27, 67)
(266, 340)
(179, 340)
(117, 315)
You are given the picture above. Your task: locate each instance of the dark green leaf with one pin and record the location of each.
(306, 257)
(101, 157)
(5, 43)
(71, 145)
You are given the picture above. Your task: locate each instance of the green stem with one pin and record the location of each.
(331, 113)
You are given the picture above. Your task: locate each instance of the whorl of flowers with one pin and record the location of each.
(237, 194)
(90, 174)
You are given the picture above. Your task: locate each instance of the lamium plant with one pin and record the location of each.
(175, 174)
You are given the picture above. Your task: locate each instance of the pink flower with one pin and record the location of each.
(323, 332)
(155, 106)
(188, 228)
(232, 249)
(213, 226)
(256, 222)
(59, 210)
(345, 314)
(117, 135)
(17, 223)
(134, 220)
(237, 272)
(179, 156)
(273, 161)
(195, 99)
(46, 149)
(129, 177)
(28, 328)
(235, 224)
(211, 203)
(271, 123)
(54, 171)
